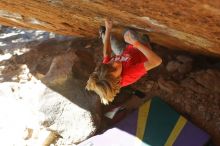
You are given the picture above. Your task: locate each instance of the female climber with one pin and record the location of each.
(124, 67)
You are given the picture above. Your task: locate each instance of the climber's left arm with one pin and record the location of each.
(153, 59)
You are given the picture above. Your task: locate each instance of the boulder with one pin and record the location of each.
(184, 59)
(185, 68)
(174, 28)
(209, 79)
(168, 86)
(58, 105)
(172, 66)
(34, 106)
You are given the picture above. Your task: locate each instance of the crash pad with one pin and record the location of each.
(155, 123)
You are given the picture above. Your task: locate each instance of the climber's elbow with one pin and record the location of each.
(150, 64)
(159, 61)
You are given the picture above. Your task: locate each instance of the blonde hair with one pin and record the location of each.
(104, 83)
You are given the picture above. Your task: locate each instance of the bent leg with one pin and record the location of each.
(144, 39)
(117, 45)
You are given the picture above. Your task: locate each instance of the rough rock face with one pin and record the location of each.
(190, 25)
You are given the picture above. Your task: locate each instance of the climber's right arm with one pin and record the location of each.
(107, 45)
